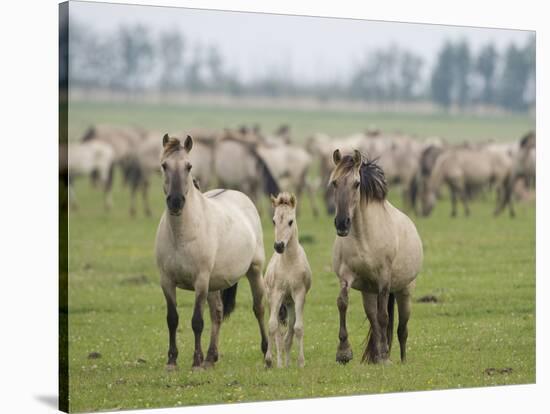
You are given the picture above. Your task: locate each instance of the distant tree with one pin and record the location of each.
(530, 58)
(214, 64)
(171, 51)
(136, 51)
(486, 67)
(193, 72)
(410, 72)
(442, 76)
(514, 79)
(461, 73)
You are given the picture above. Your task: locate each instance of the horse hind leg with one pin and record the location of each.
(299, 301)
(197, 321)
(216, 316)
(404, 309)
(289, 333)
(257, 287)
(372, 350)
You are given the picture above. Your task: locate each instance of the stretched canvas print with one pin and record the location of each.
(261, 207)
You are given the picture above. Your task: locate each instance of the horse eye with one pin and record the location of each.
(290, 222)
(273, 220)
(356, 184)
(163, 165)
(333, 183)
(188, 167)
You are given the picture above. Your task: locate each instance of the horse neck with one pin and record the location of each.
(186, 226)
(436, 177)
(368, 219)
(292, 247)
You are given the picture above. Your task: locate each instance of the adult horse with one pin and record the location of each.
(205, 243)
(378, 252)
(467, 171)
(145, 161)
(239, 166)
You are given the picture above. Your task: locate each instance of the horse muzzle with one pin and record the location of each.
(279, 247)
(175, 203)
(342, 226)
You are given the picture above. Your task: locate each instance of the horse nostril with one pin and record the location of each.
(348, 221)
(279, 247)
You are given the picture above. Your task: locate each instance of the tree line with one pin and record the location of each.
(131, 59)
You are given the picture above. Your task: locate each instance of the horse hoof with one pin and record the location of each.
(386, 362)
(171, 367)
(268, 363)
(198, 368)
(208, 364)
(343, 356)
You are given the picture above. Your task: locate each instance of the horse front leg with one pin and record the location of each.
(197, 321)
(216, 315)
(172, 318)
(275, 302)
(344, 353)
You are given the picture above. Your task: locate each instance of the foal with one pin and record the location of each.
(287, 279)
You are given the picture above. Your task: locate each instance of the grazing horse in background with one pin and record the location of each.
(287, 279)
(239, 166)
(465, 171)
(377, 251)
(205, 243)
(94, 158)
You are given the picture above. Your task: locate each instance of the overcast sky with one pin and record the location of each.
(317, 48)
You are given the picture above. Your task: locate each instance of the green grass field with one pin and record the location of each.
(482, 270)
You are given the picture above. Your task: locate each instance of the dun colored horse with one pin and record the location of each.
(378, 252)
(205, 243)
(288, 279)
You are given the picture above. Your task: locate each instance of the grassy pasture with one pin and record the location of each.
(481, 269)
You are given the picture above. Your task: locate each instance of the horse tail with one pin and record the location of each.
(369, 354)
(269, 182)
(229, 299)
(283, 313)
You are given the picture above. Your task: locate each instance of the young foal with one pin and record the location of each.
(287, 279)
(378, 252)
(205, 243)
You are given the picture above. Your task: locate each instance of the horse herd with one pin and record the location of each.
(258, 164)
(207, 240)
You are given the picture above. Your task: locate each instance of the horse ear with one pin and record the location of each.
(188, 144)
(336, 156)
(273, 199)
(293, 201)
(165, 139)
(356, 157)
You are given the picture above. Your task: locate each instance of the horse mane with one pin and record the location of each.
(283, 199)
(173, 145)
(527, 139)
(373, 181)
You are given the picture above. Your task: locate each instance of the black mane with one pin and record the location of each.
(373, 181)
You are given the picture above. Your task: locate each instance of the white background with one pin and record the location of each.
(28, 203)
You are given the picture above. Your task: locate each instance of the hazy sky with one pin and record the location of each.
(317, 48)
